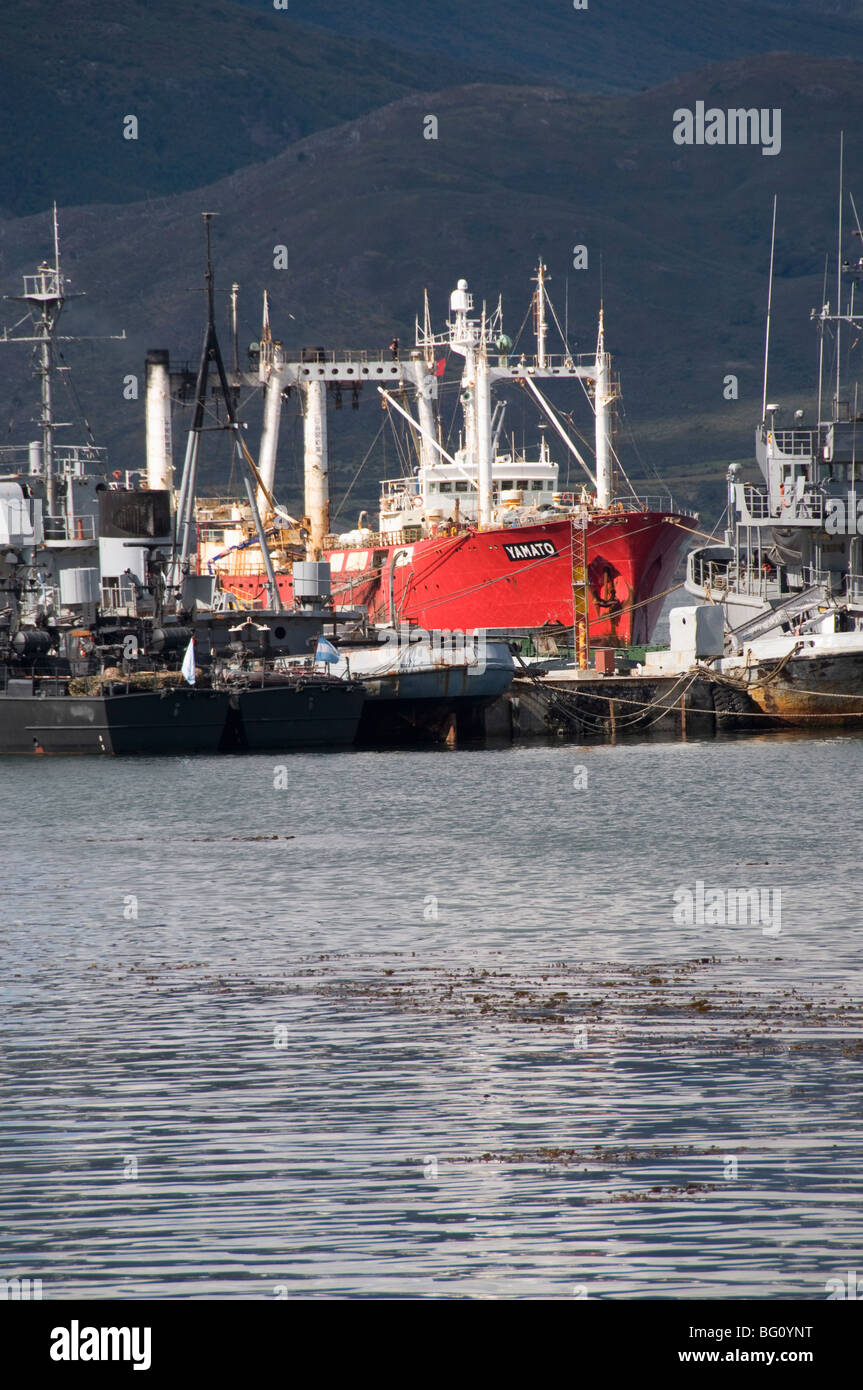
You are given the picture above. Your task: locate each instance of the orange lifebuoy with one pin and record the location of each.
(417, 501)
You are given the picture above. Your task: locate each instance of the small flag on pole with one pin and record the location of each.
(188, 666)
(325, 651)
(440, 366)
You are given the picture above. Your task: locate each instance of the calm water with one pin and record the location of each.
(442, 1036)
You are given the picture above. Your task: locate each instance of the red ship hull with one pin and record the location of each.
(510, 578)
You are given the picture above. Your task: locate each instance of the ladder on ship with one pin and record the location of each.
(793, 608)
(580, 592)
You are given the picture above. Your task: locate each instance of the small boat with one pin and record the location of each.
(40, 714)
(425, 685)
(292, 709)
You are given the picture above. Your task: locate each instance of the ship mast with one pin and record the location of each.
(469, 339)
(210, 353)
(848, 315)
(45, 294)
(603, 398)
(540, 321)
(839, 271)
(483, 427)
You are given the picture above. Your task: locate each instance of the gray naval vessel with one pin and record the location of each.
(789, 571)
(104, 647)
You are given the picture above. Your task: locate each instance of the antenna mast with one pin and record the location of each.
(539, 308)
(769, 307)
(839, 268)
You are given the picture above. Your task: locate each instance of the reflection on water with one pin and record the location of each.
(438, 1033)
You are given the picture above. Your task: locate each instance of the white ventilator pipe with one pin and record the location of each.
(424, 391)
(270, 429)
(317, 493)
(160, 451)
(483, 436)
(602, 402)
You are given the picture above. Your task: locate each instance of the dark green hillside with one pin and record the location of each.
(613, 45)
(218, 86)
(371, 214)
(214, 87)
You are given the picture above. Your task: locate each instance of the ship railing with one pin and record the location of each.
(755, 502)
(45, 284)
(398, 487)
(854, 588)
(309, 356)
(248, 562)
(794, 443)
(754, 582)
(60, 528)
(721, 576)
(15, 458)
(809, 507)
(222, 511)
(711, 574)
(70, 460)
(553, 362)
(120, 598)
(75, 460)
(373, 541)
(654, 503)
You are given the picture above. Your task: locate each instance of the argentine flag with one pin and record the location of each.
(325, 651)
(188, 666)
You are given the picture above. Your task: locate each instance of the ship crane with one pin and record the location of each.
(312, 373)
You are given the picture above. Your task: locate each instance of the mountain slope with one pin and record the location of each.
(219, 86)
(371, 214)
(213, 87)
(621, 46)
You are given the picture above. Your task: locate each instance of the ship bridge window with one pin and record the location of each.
(446, 487)
(462, 485)
(523, 484)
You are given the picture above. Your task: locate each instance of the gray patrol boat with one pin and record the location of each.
(789, 572)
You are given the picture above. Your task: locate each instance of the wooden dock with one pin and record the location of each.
(588, 706)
